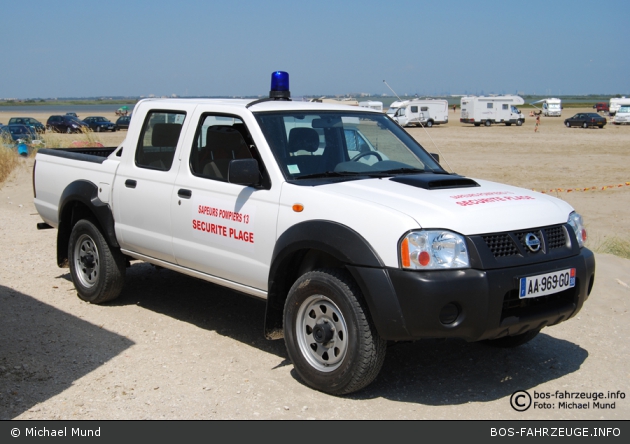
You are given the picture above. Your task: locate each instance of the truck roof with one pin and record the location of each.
(272, 105)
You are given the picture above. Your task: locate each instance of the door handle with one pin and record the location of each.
(130, 183)
(184, 194)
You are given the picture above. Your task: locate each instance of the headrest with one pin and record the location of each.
(303, 139)
(224, 136)
(165, 134)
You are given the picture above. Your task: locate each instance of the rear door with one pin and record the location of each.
(143, 189)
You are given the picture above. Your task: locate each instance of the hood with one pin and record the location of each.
(467, 206)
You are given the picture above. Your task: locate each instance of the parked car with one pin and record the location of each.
(123, 122)
(65, 124)
(28, 121)
(98, 124)
(585, 120)
(601, 106)
(72, 115)
(622, 117)
(16, 132)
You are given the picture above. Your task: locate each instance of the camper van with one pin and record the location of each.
(552, 107)
(616, 102)
(481, 110)
(372, 104)
(391, 111)
(426, 112)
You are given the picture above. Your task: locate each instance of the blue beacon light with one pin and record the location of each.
(280, 86)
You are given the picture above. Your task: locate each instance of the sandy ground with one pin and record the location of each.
(178, 348)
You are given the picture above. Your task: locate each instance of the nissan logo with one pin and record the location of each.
(532, 242)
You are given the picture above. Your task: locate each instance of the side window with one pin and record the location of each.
(490, 105)
(158, 139)
(414, 109)
(218, 140)
(424, 108)
(505, 106)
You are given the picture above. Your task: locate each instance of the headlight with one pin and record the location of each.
(74, 126)
(433, 250)
(575, 220)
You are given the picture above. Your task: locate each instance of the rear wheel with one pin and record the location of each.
(329, 335)
(584, 125)
(513, 341)
(477, 124)
(487, 123)
(98, 271)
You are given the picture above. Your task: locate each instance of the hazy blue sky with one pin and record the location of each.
(86, 48)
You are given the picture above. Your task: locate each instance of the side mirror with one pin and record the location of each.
(435, 156)
(244, 172)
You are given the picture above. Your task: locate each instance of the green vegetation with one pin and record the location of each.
(40, 102)
(614, 245)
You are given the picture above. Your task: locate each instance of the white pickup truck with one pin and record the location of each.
(351, 231)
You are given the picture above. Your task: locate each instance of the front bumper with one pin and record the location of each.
(407, 305)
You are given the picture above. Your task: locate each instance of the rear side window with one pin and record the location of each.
(505, 106)
(158, 139)
(414, 109)
(490, 105)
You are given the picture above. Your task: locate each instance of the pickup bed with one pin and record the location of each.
(350, 230)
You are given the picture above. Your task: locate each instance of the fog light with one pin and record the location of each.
(449, 314)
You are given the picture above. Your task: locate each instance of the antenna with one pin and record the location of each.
(392, 90)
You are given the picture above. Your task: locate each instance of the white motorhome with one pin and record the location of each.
(426, 112)
(372, 104)
(551, 107)
(622, 117)
(394, 107)
(484, 110)
(616, 102)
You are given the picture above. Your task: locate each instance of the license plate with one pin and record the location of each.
(548, 283)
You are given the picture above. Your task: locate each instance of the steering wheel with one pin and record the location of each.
(368, 153)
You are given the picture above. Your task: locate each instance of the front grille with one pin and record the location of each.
(501, 245)
(504, 245)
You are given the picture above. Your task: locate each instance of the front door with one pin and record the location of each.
(223, 229)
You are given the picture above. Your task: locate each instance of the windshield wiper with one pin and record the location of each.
(330, 174)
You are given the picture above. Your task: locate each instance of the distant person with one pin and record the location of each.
(454, 108)
(537, 122)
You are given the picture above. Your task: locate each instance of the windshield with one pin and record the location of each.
(392, 111)
(348, 144)
(624, 109)
(554, 106)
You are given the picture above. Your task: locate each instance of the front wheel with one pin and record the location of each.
(430, 123)
(98, 271)
(98, 129)
(568, 125)
(519, 122)
(68, 130)
(329, 335)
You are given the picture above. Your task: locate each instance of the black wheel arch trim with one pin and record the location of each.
(350, 249)
(85, 193)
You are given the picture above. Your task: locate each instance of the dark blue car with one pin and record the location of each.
(28, 121)
(17, 132)
(98, 124)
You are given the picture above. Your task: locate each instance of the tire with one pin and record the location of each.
(508, 124)
(487, 123)
(98, 271)
(513, 341)
(568, 125)
(585, 125)
(329, 335)
(429, 123)
(68, 130)
(98, 129)
(477, 124)
(519, 122)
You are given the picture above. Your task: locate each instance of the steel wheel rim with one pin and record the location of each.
(87, 261)
(316, 315)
